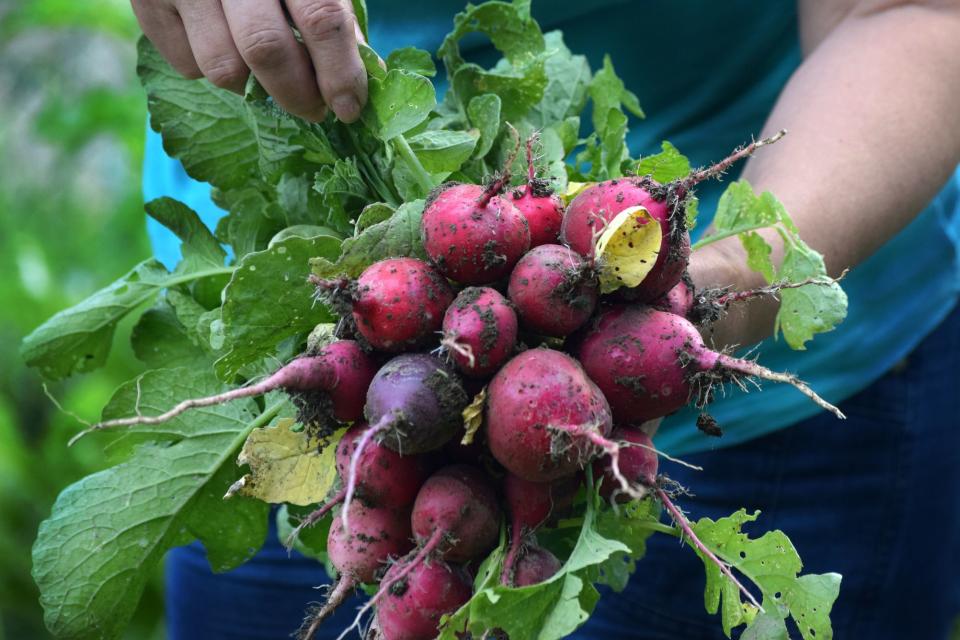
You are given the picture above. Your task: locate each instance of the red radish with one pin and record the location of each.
(341, 370)
(473, 235)
(455, 518)
(600, 203)
(530, 505)
(536, 565)
(456, 514)
(542, 208)
(638, 464)
(679, 300)
(384, 477)
(649, 363)
(479, 330)
(396, 303)
(597, 205)
(414, 405)
(377, 535)
(554, 290)
(544, 417)
(414, 604)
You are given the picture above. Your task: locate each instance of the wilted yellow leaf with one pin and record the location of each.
(627, 249)
(287, 466)
(473, 417)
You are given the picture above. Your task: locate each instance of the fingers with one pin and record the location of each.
(213, 48)
(329, 30)
(267, 45)
(163, 27)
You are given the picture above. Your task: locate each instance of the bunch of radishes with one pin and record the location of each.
(508, 312)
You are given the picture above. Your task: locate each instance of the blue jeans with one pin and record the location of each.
(875, 498)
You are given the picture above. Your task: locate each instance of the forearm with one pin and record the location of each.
(874, 126)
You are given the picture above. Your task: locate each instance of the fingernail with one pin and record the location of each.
(346, 107)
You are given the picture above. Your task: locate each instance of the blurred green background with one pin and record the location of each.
(72, 119)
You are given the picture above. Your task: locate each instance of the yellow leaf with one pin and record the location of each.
(627, 249)
(573, 189)
(287, 466)
(473, 417)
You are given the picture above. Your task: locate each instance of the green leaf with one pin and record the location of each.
(554, 609)
(758, 254)
(484, 114)
(607, 91)
(372, 62)
(107, 532)
(519, 89)
(508, 25)
(397, 237)
(397, 103)
(269, 300)
(771, 563)
(200, 248)
(413, 60)
(160, 340)
(804, 311)
(78, 339)
(441, 151)
(372, 214)
(254, 218)
(220, 137)
(812, 309)
(613, 143)
(666, 166)
(568, 81)
(312, 541)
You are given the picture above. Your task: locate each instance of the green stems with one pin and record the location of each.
(419, 173)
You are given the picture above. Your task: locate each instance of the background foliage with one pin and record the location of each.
(72, 122)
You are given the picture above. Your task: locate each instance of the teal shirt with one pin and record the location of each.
(707, 74)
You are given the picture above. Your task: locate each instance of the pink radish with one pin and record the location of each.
(414, 604)
(542, 208)
(377, 536)
(649, 363)
(535, 565)
(341, 370)
(554, 290)
(473, 235)
(638, 464)
(479, 330)
(397, 303)
(544, 417)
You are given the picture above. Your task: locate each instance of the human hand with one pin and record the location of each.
(225, 40)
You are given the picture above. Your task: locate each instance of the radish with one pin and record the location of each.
(377, 536)
(542, 208)
(649, 363)
(341, 370)
(479, 330)
(456, 516)
(554, 290)
(679, 299)
(598, 204)
(396, 303)
(414, 405)
(638, 464)
(536, 565)
(544, 417)
(530, 505)
(384, 477)
(473, 235)
(415, 603)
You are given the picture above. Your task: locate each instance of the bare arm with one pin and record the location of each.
(874, 118)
